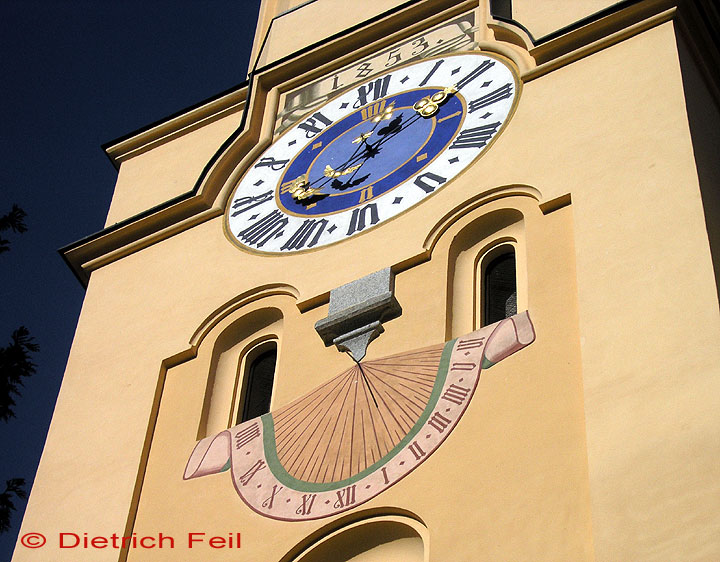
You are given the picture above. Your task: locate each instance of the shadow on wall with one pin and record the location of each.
(704, 121)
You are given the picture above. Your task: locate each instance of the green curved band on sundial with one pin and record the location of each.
(273, 462)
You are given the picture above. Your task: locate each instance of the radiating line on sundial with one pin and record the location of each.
(292, 454)
(302, 444)
(323, 407)
(416, 379)
(352, 428)
(315, 457)
(372, 421)
(334, 429)
(368, 384)
(424, 395)
(321, 393)
(362, 427)
(339, 449)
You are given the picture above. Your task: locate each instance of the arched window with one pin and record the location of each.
(256, 378)
(499, 285)
(258, 375)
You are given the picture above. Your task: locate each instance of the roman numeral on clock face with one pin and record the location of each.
(423, 181)
(359, 218)
(432, 71)
(272, 163)
(366, 194)
(313, 125)
(477, 137)
(503, 92)
(302, 235)
(372, 91)
(483, 67)
(271, 225)
(242, 204)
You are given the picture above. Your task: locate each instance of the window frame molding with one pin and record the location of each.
(494, 250)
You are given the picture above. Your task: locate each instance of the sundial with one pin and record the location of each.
(364, 429)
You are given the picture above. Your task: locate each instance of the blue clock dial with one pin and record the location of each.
(369, 152)
(376, 150)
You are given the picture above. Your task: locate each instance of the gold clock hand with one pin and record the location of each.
(299, 188)
(362, 138)
(428, 106)
(330, 173)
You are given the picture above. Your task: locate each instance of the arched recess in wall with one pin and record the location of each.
(378, 539)
(471, 237)
(232, 347)
(472, 250)
(234, 352)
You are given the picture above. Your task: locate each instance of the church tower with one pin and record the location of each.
(439, 282)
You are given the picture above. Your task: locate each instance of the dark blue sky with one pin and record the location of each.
(76, 74)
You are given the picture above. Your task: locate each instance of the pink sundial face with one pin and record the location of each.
(361, 432)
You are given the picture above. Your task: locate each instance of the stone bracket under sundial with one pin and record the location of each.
(357, 311)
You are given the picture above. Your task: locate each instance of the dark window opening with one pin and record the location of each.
(500, 289)
(502, 8)
(258, 388)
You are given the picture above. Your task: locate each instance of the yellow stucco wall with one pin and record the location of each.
(171, 168)
(542, 18)
(597, 442)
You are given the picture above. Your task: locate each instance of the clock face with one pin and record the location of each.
(361, 432)
(372, 153)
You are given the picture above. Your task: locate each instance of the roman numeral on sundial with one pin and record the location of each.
(246, 435)
(416, 450)
(268, 502)
(456, 394)
(346, 497)
(439, 422)
(306, 505)
(252, 471)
